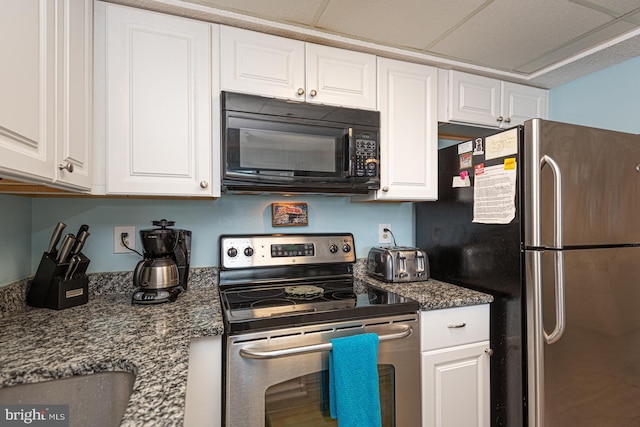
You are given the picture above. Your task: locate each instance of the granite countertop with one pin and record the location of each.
(151, 341)
(110, 334)
(431, 294)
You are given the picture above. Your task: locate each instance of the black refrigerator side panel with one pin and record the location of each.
(487, 258)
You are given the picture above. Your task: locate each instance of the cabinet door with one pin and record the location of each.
(158, 104)
(520, 103)
(340, 77)
(27, 85)
(261, 64)
(455, 388)
(473, 99)
(408, 131)
(75, 103)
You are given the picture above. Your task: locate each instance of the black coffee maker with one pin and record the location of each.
(164, 272)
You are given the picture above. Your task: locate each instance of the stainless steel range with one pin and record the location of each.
(284, 298)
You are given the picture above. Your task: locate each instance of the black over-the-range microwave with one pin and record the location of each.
(275, 145)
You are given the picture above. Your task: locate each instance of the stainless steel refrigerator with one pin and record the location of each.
(563, 265)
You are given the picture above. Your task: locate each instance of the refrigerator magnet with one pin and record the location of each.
(465, 161)
(478, 169)
(478, 149)
(510, 163)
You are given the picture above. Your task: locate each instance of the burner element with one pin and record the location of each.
(303, 292)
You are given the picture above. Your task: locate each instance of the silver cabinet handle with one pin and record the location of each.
(300, 91)
(488, 351)
(500, 118)
(385, 188)
(507, 120)
(558, 330)
(68, 166)
(313, 93)
(458, 326)
(250, 353)
(204, 184)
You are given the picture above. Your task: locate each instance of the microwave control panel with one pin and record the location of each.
(366, 156)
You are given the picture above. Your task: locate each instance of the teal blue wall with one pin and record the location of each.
(15, 238)
(208, 219)
(608, 99)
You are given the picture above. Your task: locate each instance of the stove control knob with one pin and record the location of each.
(346, 248)
(232, 252)
(248, 251)
(333, 248)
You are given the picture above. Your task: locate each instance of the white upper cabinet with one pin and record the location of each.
(340, 77)
(467, 98)
(162, 104)
(278, 67)
(408, 132)
(45, 110)
(74, 145)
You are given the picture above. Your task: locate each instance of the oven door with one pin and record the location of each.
(280, 378)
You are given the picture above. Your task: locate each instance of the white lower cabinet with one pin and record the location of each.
(161, 103)
(203, 406)
(455, 367)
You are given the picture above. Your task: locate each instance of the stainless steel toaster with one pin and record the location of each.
(398, 264)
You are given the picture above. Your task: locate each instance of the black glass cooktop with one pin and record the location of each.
(268, 306)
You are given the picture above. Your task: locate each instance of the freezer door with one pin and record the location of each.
(598, 189)
(590, 377)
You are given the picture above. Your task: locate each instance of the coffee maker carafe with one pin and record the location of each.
(163, 273)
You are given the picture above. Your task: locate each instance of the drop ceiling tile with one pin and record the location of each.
(286, 11)
(635, 19)
(605, 34)
(507, 34)
(410, 23)
(619, 7)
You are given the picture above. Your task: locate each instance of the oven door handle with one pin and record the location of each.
(250, 353)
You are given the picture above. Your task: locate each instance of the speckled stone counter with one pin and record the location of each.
(110, 334)
(431, 294)
(151, 341)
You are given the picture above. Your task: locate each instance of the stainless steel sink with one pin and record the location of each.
(94, 400)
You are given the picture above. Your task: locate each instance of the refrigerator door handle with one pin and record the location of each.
(558, 330)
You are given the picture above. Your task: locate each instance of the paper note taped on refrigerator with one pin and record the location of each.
(494, 195)
(501, 144)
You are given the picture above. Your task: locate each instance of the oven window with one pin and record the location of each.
(304, 401)
(271, 150)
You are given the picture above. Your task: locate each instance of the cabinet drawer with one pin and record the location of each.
(453, 326)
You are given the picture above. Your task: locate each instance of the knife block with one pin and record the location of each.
(50, 289)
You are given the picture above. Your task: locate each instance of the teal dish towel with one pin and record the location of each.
(354, 394)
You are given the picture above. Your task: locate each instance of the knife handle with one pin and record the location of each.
(65, 248)
(81, 237)
(73, 266)
(55, 237)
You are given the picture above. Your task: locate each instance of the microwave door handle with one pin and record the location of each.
(349, 151)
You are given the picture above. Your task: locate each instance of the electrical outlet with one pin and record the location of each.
(118, 247)
(384, 236)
